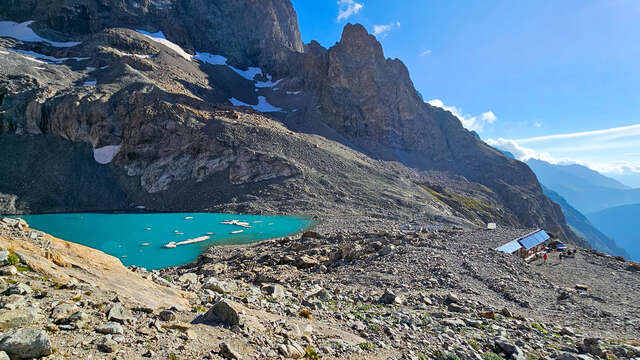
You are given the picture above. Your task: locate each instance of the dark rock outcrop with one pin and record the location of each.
(372, 101)
(249, 32)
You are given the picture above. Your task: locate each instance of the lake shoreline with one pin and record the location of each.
(147, 239)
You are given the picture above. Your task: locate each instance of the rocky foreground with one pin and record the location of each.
(412, 294)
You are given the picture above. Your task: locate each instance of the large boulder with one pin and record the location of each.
(27, 343)
(10, 319)
(224, 311)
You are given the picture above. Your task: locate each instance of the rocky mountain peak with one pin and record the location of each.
(357, 41)
(163, 116)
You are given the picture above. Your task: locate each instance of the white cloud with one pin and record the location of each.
(474, 123)
(384, 29)
(520, 152)
(489, 117)
(612, 133)
(592, 156)
(348, 8)
(426, 53)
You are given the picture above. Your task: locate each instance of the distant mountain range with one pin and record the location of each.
(585, 189)
(611, 206)
(621, 222)
(581, 225)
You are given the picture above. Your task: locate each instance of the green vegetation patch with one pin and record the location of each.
(540, 328)
(491, 356)
(311, 353)
(13, 259)
(459, 201)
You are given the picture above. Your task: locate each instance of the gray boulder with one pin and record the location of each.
(390, 298)
(274, 290)
(107, 344)
(61, 313)
(119, 314)
(10, 319)
(26, 343)
(19, 289)
(219, 286)
(4, 257)
(8, 270)
(110, 327)
(225, 312)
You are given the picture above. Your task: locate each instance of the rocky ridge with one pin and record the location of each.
(345, 296)
(153, 105)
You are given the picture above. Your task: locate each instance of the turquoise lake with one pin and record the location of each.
(139, 239)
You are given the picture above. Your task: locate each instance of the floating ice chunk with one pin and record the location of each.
(4, 52)
(211, 58)
(161, 39)
(22, 32)
(262, 106)
(293, 92)
(105, 154)
(90, 83)
(90, 68)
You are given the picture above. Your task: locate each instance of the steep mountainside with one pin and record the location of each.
(584, 188)
(621, 223)
(259, 32)
(584, 228)
(339, 130)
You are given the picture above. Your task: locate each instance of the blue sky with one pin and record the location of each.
(518, 72)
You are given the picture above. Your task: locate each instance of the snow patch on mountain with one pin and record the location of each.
(161, 39)
(105, 154)
(263, 105)
(22, 32)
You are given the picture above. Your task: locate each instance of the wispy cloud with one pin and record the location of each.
(471, 122)
(612, 133)
(609, 151)
(348, 8)
(520, 152)
(537, 124)
(384, 29)
(426, 53)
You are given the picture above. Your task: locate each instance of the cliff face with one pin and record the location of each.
(174, 135)
(248, 32)
(372, 101)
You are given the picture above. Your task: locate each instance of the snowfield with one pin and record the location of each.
(43, 59)
(161, 39)
(105, 154)
(22, 32)
(262, 106)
